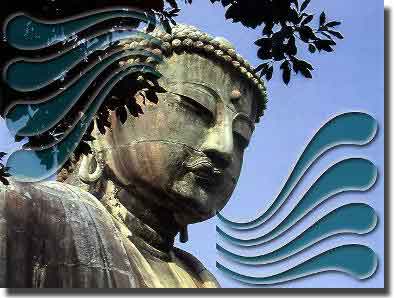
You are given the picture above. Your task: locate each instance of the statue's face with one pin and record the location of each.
(186, 151)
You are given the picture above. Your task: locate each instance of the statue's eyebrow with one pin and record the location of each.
(210, 90)
(207, 88)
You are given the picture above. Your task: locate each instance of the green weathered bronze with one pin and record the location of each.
(112, 220)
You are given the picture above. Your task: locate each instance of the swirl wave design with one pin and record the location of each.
(345, 259)
(27, 33)
(348, 175)
(64, 76)
(349, 219)
(352, 128)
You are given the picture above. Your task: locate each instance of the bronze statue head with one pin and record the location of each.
(185, 153)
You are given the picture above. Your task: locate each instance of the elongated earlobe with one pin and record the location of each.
(88, 161)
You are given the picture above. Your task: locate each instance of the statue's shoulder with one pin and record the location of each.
(49, 208)
(68, 228)
(55, 195)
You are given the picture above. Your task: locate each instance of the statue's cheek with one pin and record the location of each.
(156, 162)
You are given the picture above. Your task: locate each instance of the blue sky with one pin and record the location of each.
(351, 79)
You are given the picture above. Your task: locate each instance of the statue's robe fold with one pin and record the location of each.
(56, 235)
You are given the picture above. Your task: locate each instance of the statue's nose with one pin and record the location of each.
(219, 145)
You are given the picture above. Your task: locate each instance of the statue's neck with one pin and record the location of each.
(152, 227)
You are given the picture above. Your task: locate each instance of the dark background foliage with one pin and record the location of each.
(286, 25)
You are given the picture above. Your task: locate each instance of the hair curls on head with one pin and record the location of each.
(190, 39)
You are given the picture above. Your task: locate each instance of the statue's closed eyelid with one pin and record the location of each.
(202, 99)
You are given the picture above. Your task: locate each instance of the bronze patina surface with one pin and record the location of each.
(112, 220)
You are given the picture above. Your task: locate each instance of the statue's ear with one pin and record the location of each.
(90, 162)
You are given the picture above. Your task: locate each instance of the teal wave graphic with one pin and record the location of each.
(348, 175)
(25, 76)
(32, 119)
(37, 165)
(353, 218)
(355, 260)
(355, 174)
(39, 114)
(354, 128)
(27, 33)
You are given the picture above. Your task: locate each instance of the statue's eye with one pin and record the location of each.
(197, 107)
(199, 104)
(243, 131)
(199, 98)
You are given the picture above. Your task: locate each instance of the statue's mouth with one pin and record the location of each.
(204, 171)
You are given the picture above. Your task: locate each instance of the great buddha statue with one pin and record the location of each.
(111, 220)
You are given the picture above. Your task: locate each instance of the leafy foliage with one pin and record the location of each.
(3, 171)
(285, 26)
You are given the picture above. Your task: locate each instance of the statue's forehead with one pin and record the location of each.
(190, 70)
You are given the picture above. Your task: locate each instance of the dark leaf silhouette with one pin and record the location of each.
(312, 48)
(261, 67)
(121, 113)
(306, 73)
(4, 180)
(269, 73)
(286, 71)
(322, 19)
(3, 170)
(336, 34)
(291, 46)
(2, 154)
(333, 24)
(305, 4)
(307, 20)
